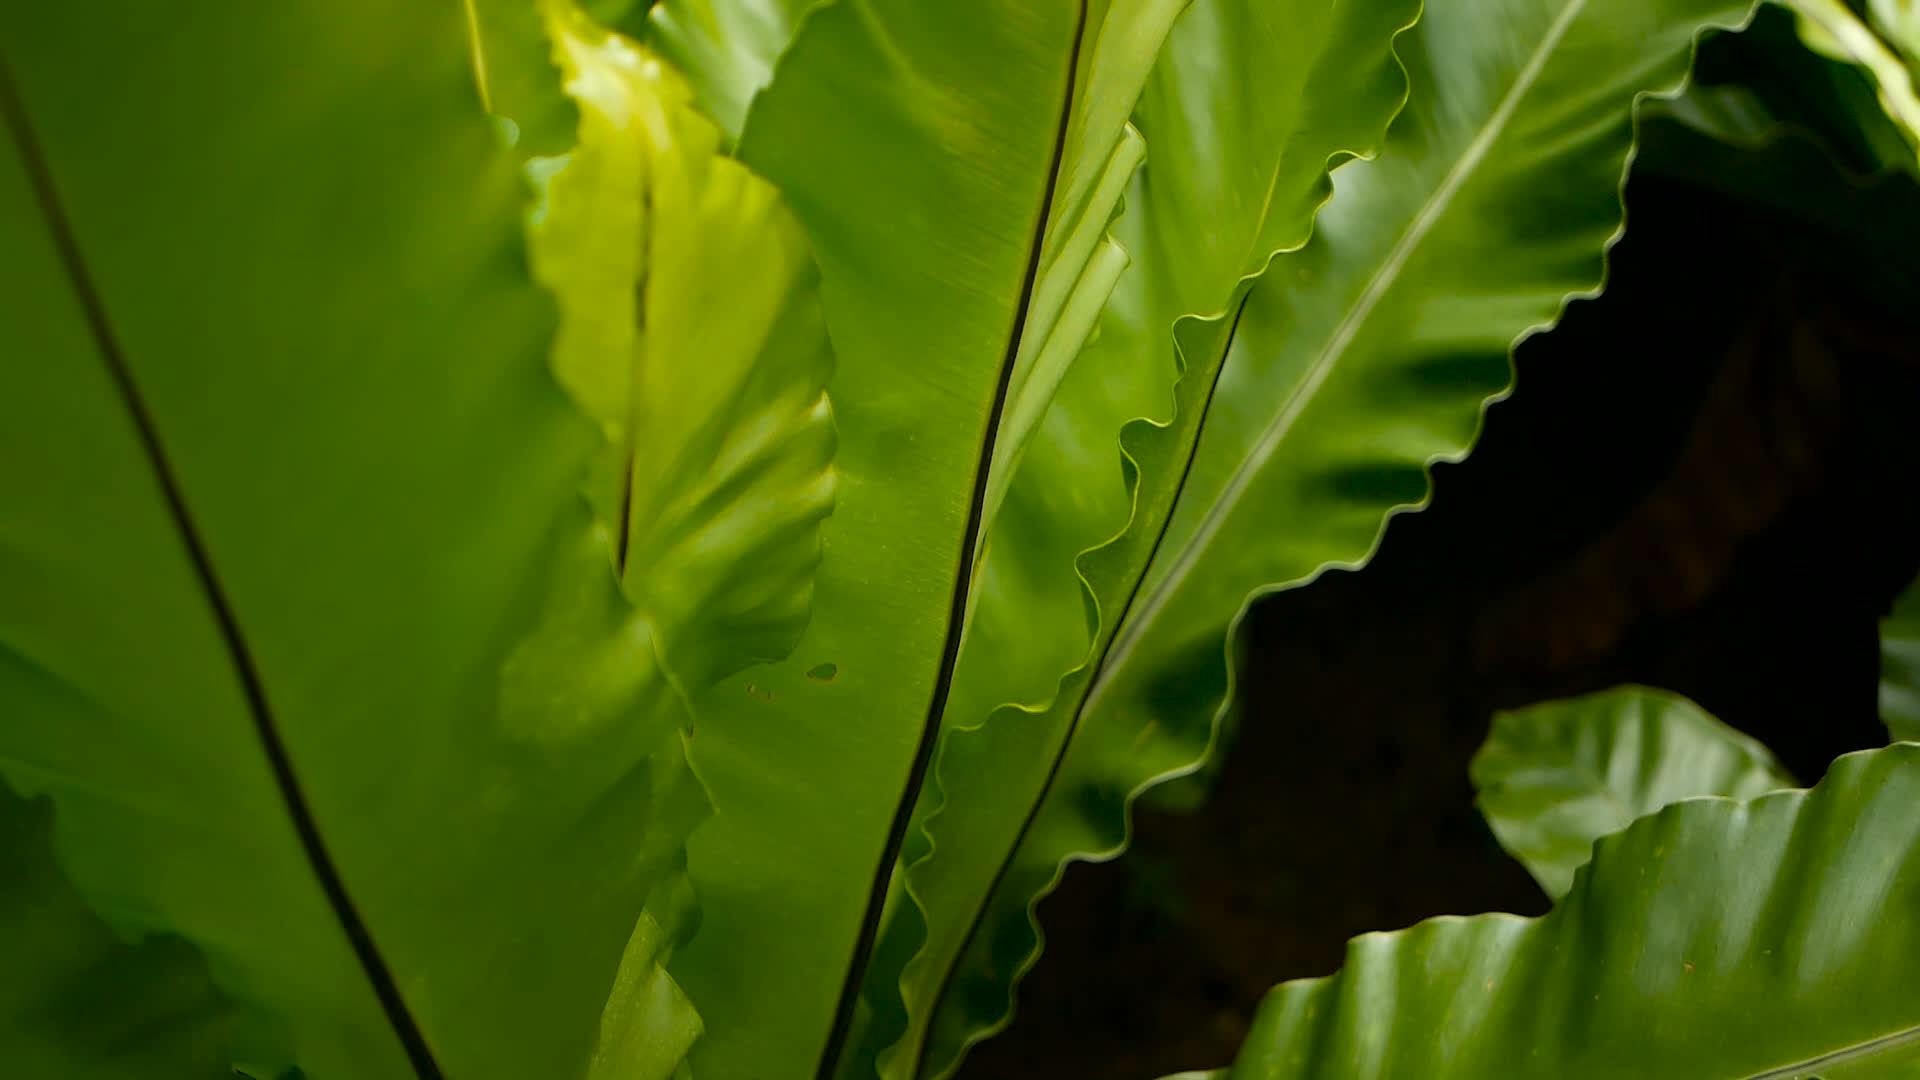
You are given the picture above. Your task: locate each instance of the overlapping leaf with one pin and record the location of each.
(1715, 939)
(691, 331)
(310, 636)
(514, 72)
(1348, 368)
(1554, 778)
(1242, 113)
(917, 145)
(1778, 128)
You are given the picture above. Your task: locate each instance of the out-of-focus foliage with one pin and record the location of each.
(1554, 778)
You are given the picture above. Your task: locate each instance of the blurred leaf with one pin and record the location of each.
(1899, 22)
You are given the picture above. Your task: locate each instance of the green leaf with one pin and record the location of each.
(1715, 939)
(1344, 371)
(1834, 99)
(728, 48)
(1900, 667)
(79, 1005)
(918, 145)
(311, 637)
(1554, 778)
(1243, 112)
(1027, 620)
(691, 330)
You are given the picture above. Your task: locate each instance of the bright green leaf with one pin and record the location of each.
(1345, 370)
(728, 48)
(691, 329)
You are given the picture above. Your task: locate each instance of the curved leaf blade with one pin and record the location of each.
(312, 589)
(1554, 778)
(691, 330)
(1230, 169)
(1715, 939)
(1080, 264)
(1831, 29)
(917, 145)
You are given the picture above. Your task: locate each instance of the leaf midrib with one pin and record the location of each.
(406, 1029)
(1382, 280)
(855, 977)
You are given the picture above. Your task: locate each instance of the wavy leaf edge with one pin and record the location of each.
(1143, 426)
(1126, 439)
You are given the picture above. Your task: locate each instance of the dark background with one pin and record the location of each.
(1704, 481)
